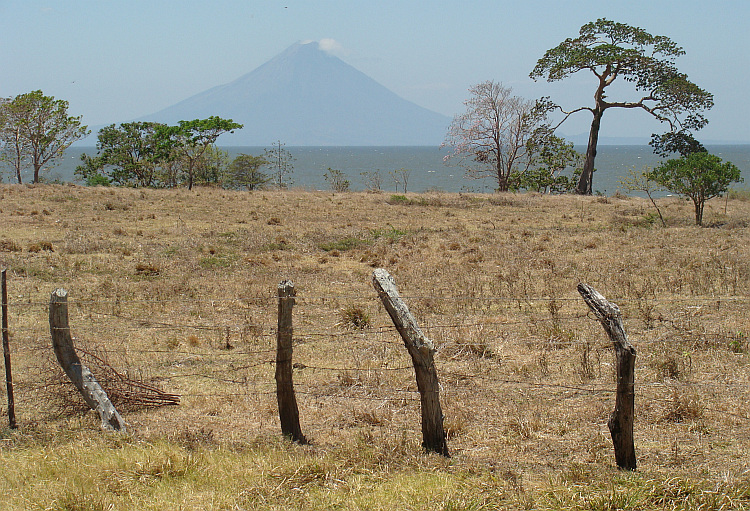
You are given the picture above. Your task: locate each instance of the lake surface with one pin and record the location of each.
(427, 169)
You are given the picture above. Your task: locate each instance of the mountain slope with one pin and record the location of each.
(305, 96)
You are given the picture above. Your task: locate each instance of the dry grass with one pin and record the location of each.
(180, 288)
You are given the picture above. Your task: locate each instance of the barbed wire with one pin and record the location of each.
(303, 300)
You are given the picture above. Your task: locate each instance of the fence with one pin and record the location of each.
(528, 373)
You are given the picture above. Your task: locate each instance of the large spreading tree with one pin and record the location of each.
(38, 129)
(611, 50)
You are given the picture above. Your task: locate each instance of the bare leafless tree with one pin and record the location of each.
(494, 137)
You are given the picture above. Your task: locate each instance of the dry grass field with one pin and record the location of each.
(179, 289)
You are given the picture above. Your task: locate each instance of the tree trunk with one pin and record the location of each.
(698, 211)
(190, 175)
(621, 421)
(288, 410)
(18, 156)
(584, 182)
(502, 179)
(78, 373)
(421, 350)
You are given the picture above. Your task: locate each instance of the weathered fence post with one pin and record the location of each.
(78, 373)
(422, 352)
(621, 421)
(288, 411)
(6, 352)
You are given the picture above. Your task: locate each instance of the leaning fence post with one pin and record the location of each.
(288, 411)
(6, 352)
(621, 421)
(422, 352)
(78, 373)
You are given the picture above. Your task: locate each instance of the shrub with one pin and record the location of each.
(9, 246)
(337, 180)
(354, 317)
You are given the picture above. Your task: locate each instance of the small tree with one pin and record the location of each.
(281, 163)
(699, 176)
(39, 129)
(550, 157)
(401, 178)
(337, 180)
(492, 138)
(639, 181)
(244, 172)
(373, 180)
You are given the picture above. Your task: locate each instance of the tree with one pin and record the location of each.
(14, 145)
(494, 133)
(212, 167)
(39, 129)
(281, 162)
(337, 179)
(373, 180)
(400, 178)
(699, 176)
(189, 140)
(611, 50)
(641, 182)
(680, 142)
(128, 155)
(244, 172)
(550, 157)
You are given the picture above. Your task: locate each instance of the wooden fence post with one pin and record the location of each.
(78, 373)
(621, 421)
(288, 411)
(422, 353)
(6, 351)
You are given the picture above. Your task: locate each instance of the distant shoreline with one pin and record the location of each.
(428, 170)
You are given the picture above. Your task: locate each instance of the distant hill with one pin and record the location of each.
(305, 96)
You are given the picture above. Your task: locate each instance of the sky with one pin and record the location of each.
(116, 60)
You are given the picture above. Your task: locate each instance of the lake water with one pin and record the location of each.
(427, 169)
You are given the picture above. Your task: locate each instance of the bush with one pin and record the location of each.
(337, 180)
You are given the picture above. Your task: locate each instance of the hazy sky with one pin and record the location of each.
(115, 60)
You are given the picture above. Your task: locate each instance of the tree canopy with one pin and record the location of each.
(128, 151)
(244, 172)
(611, 50)
(154, 154)
(37, 129)
(191, 139)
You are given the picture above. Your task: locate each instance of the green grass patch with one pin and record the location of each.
(216, 261)
(343, 244)
(351, 242)
(391, 233)
(399, 199)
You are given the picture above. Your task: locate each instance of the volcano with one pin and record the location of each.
(307, 97)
